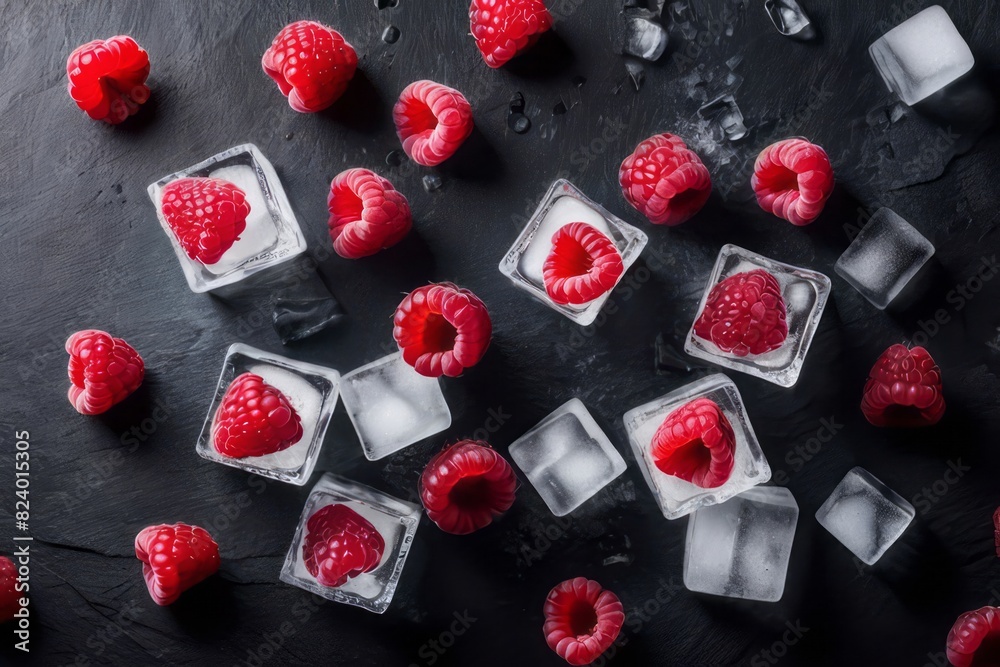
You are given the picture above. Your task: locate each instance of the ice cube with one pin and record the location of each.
(392, 406)
(394, 519)
(644, 38)
(922, 55)
(790, 19)
(567, 458)
(741, 548)
(865, 515)
(311, 390)
(724, 112)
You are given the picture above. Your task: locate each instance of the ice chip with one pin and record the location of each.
(790, 19)
(724, 112)
(644, 38)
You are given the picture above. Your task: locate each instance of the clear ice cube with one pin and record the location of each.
(865, 515)
(675, 496)
(394, 519)
(272, 233)
(392, 406)
(644, 38)
(805, 294)
(922, 55)
(311, 390)
(563, 204)
(741, 548)
(567, 458)
(884, 257)
(724, 112)
(790, 19)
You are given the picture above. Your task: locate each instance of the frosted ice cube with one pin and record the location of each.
(644, 38)
(394, 519)
(741, 548)
(311, 390)
(392, 406)
(725, 113)
(922, 55)
(865, 515)
(675, 496)
(884, 257)
(567, 458)
(790, 19)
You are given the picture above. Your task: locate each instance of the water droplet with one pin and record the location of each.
(390, 35)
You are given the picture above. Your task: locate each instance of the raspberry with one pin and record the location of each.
(504, 28)
(207, 215)
(442, 329)
(975, 638)
(339, 545)
(107, 78)
(793, 179)
(175, 558)
(903, 389)
(432, 121)
(744, 314)
(664, 180)
(10, 598)
(465, 485)
(103, 371)
(696, 443)
(582, 620)
(311, 63)
(367, 214)
(582, 265)
(254, 419)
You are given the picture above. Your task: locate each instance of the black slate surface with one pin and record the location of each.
(81, 248)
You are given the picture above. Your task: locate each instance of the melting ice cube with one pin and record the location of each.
(644, 38)
(789, 18)
(727, 115)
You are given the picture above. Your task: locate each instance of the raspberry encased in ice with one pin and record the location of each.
(340, 544)
(582, 265)
(793, 179)
(10, 598)
(107, 78)
(175, 558)
(432, 121)
(311, 63)
(367, 213)
(664, 180)
(582, 620)
(696, 443)
(904, 389)
(744, 314)
(103, 370)
(207, 215)
(504, 28)
(254, 419)
(975, 639)
(465, 486)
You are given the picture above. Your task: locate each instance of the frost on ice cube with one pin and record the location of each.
(392, 406)
(567, 458)
(790, 19)
(922, 55)
(741, 548)
(865, 515)
(884, 258)
(726, 114)
(644, 38)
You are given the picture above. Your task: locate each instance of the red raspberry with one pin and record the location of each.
(793, 179)
(696, 443)
(311, 63)
(432, 121)
(582, 265)
(903, 389)
(207, 215)
(465, 486)
(582, 620)
(664, 180)
(175, 558)
(10, 598)
(975, 639)
(339, 545)
(504, 28)
(367, 214)
(442, 329)
(107, 78)
(103, 371)
(744, 314)
(254, 419)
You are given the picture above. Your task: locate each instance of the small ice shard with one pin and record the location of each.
(390, 35)
(680, 12)
(790, 20)
(516, 120)
(559, 108)
(644, 38)
(668, 359)
(432, 182)
(636, 73)
(726, 114)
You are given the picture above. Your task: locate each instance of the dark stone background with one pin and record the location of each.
(81, 248)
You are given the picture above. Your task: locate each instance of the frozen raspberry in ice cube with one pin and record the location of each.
(504, 28)
(904, 389)
(793, 179)
(254, 419)
(103, 370)
(465, 486)
(207, 215)
(664, 180)
(974, 640)
(175, 558)
(582, 620)
(340, 544)
(10, 597)
(107, 78)
(696, 443)
(432, 121)
(744, 314)
(367, 214)
(582, 265)
(311, 63)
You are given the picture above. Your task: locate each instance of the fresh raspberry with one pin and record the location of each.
(744, 314)
(793, 179)
(696, 443)
(207, 215)
(254, 419)
(582, 620)
(996, 530)
(903, 389)
(175, 558)
(367, 214)
(311, 63)
(465, 486)
(10, 598)
(339, 545)
(664, 180)
(442, 329)
(504, 28)
(103, 371)
(582, 265)
(432, 121)
(975, 639)
(107, 78)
